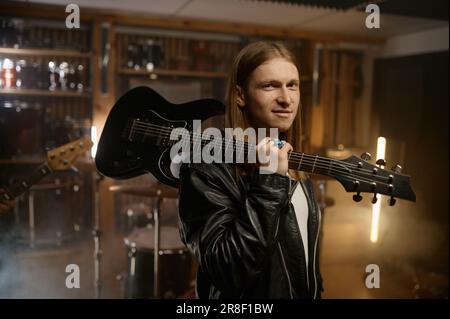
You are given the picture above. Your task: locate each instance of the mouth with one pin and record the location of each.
(282, 113)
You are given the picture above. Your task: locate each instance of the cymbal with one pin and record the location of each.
(158, 190)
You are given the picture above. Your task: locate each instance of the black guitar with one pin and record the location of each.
(136, 140)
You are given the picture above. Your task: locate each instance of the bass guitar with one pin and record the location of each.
(58, 159)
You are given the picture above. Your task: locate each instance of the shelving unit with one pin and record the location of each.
(52, 109)
(36, 92)
(45, 52)
(180, 73)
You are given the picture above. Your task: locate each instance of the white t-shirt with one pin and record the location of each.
(301, 212)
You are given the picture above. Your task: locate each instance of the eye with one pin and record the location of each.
(267, 85)
(293, 85)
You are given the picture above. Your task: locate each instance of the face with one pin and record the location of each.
(272, 96)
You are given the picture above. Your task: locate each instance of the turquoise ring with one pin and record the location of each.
(279, 143)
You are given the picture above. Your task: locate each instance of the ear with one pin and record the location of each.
(240, 98)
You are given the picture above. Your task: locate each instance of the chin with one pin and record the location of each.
(283, 127)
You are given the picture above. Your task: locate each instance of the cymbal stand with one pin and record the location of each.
(96, 233)
(156, 212)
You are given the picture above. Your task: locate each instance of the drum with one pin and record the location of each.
(175, 264)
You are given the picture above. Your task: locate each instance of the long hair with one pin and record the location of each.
(247, 60)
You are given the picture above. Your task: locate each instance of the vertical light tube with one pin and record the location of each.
(376, 208)
(94, 140)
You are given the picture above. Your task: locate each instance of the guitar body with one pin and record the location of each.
(123, 154)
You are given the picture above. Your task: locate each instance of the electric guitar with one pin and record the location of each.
(136, 140)
(58, 159)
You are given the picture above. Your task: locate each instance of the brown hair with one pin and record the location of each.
(247, 60)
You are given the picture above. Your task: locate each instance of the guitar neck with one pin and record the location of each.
(23, 185)
(300, 161)
(313, 164)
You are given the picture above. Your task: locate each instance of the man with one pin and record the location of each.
(255, 235)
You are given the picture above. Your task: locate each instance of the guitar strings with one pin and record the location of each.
(304, 158)
(295, 157)
(336, 172)
(232, 142)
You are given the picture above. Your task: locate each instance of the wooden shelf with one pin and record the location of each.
(35, 92)
(200, 74)
(45, 52)
(23, 161)
(187, 73)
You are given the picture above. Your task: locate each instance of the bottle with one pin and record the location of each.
(71, 77)
(8, 74)
(63, 70)
(80, 77)
(20, 73)
(53, 75)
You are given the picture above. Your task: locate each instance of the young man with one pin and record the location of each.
(255, 235)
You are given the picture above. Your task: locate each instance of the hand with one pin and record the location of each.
(268, 147)
(6, 205)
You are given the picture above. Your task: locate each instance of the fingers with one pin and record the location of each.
(264, 146)
(267, 146)
(286, 147)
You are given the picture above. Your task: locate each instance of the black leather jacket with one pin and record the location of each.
(245, 235)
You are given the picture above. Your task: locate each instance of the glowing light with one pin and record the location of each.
(94, 140)
(376, 208)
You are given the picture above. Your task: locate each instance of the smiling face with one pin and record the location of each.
(272, 95)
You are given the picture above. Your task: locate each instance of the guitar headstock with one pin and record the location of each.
(359, 176)
(61, 158)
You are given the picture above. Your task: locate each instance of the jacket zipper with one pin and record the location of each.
(285, 269)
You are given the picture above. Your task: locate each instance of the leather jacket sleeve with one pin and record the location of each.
(231, 236)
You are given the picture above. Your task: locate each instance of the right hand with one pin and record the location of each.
(268, 147)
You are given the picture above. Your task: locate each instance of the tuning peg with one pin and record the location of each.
(391, 201)
(375, 198)
(397, 168)
(357, 197)
(366, 156)
(381, 162)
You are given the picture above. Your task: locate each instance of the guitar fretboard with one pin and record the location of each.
(23, 185)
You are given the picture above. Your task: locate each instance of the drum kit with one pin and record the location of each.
(159, 265)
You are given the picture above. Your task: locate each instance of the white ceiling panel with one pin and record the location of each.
(353, 23)
(306, 18)
(262, 13)
(152, 7)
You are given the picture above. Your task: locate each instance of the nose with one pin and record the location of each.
(284, 98)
